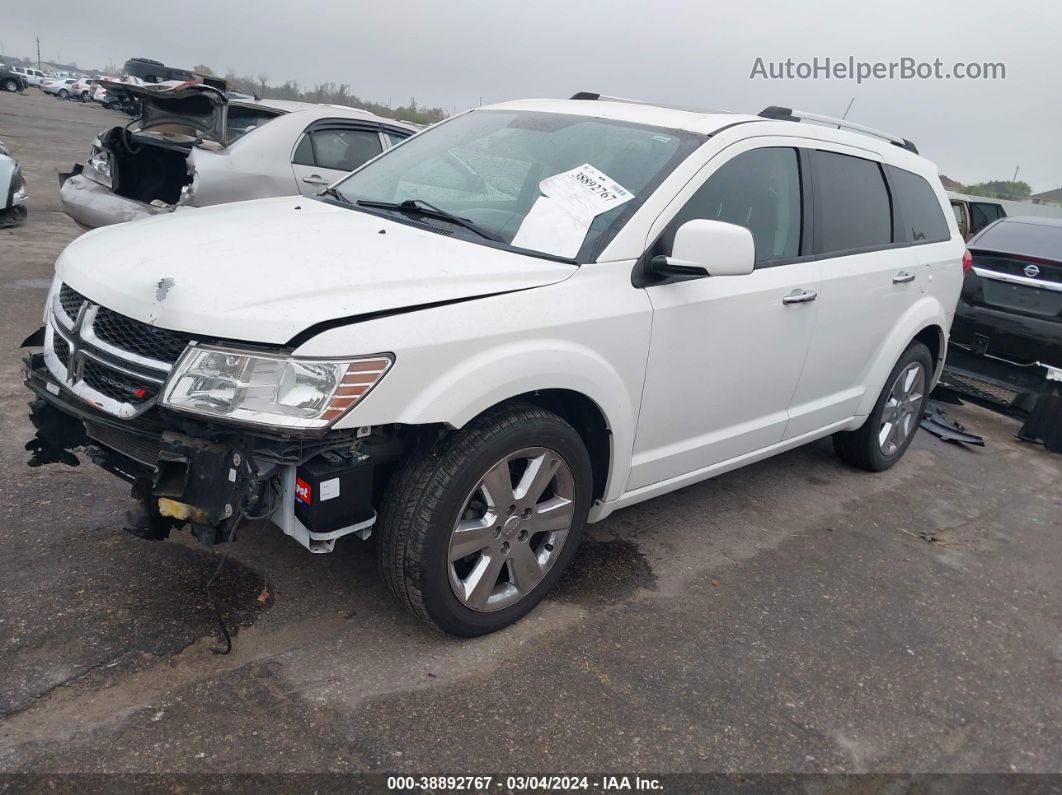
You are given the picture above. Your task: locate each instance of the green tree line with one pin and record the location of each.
(324, 93)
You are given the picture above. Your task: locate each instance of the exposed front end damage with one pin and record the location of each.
(204, 477)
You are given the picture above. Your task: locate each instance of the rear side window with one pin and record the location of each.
(917, 205)
(852, 206)
(759, 190)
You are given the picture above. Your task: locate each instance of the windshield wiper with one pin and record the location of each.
(335, 194)
(421, 207)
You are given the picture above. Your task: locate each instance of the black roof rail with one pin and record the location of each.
(788, 114)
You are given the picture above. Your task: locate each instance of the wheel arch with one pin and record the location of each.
(588, 420)
(924, 322)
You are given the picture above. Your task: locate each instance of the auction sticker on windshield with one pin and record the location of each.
(560, 218)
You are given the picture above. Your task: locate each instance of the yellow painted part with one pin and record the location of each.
(179, 510)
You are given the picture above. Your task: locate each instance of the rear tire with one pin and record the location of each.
(10, 85)
(500, 490)
(63, 93)
(893, 422)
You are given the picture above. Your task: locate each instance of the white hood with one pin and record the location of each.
(265, 270)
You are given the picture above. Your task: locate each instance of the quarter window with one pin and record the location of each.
(759, 190)
(852, 207)
(919, 208)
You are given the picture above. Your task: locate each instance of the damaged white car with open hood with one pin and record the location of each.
(194, 146)
(518, 321)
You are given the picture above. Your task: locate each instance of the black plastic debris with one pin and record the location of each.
(1044, 423)
(937, 423)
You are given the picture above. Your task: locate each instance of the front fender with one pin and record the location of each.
(458, 394)
(927, 312)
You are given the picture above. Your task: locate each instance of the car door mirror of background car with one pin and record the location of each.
(707, 248)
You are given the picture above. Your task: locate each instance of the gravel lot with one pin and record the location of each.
(787, 617)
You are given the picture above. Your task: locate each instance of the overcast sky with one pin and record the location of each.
(689, 52)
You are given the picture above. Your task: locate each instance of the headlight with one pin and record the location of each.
(264, 389)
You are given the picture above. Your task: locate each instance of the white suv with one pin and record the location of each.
(516, 322)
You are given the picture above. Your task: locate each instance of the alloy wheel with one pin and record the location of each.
(900, 414)
(511, 529)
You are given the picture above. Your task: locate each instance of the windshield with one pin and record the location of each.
(489, 167)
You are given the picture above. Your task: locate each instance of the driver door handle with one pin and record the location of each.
(315, 179)
(800, 297)
(903, 277)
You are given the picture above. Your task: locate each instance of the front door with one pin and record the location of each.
(727, 352)
(329, 152)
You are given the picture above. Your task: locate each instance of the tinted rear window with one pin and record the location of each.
(1025, 238)
(918, 207)
(852, 208)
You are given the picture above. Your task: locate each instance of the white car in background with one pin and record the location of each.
(61, 87)
(193, 146)
(33, 77)
(82, 88)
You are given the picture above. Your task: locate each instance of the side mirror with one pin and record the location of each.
(707, 248)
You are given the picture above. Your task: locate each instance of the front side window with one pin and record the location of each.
(852, 206)
(759, 190)
(487, 166)
(344, 150)
(919, 208)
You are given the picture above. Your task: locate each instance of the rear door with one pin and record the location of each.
(870, 277)
(330, 150)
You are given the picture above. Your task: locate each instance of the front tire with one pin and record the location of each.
(892, 423)
(10, 85)
(63, 93)
(478, 527)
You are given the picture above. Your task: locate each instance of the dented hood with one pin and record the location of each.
(265, 270)
(191, 105)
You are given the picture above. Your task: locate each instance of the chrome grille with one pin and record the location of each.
(123, 387)
(71, 301)
(114, 362)
(62, 350)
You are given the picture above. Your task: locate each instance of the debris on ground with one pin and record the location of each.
(1045, 423)
(937, 423)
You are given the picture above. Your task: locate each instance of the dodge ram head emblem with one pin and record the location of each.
(1032, 271)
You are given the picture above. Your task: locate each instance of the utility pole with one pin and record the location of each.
(38, 52)
(1015, 179)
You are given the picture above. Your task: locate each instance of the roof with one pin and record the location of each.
(703, 122)
(294, 106)
(1049, 195)
(1034, 220)
(709, 122)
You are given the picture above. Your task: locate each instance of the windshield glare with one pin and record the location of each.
(486, 167)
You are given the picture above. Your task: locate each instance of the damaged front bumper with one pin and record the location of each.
(207, 477)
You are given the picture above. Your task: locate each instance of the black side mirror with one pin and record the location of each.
(664, 268)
